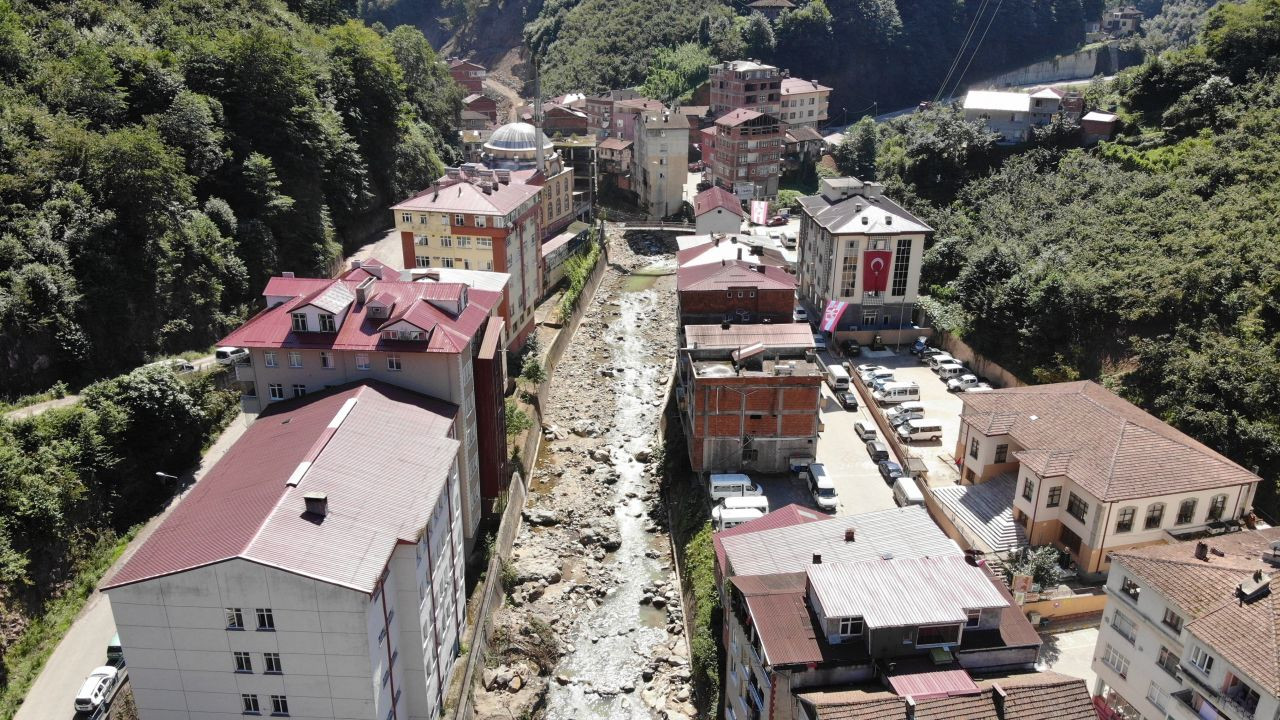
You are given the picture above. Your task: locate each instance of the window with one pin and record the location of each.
(480, 221)
(1130, 588)
(276, 391)
(973, 448)
(464, 242)
(393, 362)
(327, 323)
(850, 626)
(1216, 507)
(1124, 523)
(1201, 659)
(484, 242)
(1172, 620)
(1076, 507)
(1124, 626)
(901, 264)
(362, 362)
(1168, 661)
(1155, 515)
(848, 275)
(269, 359)
(937, 635)
(1002, 453)
(1116, 661)
(446, 242)
(972, 619)
(235, 619)
(422, 261)
(1186, 512)
(243, 663)
(1158, 696)
(326, 359)
(1028, 488)
(422, 218)
(421, 240)
(299, 321)
(295, 359)
(272, 662)
(406, 217)
(446, 262)
(266, 621)
(249, 705)
(299, 390)
(279, 705)
(1055, 496)
(458, 219)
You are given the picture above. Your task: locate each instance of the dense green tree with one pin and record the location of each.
(855, 156)
(675, 72)
(758, 36)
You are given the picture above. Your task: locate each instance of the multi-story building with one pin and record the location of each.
(440, 339)
(600, 111)
(533, 160)
(745, 84)
(1096, 475)
(716, 210)
(749, 396)
(660, 160)
(734, 291)
(317, 570)
(746, 153)
(717, 249)
(470, 75)
(484, 105)
(559, 119)
(614, 158)
(1188, 630)
(771, 8)
(862, 252)
(876, 602)
(579, 153)
(1122, 21)
(804, 103)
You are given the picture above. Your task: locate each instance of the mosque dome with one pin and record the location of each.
(516, 138)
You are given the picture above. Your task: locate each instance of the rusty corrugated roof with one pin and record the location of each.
(904, 591)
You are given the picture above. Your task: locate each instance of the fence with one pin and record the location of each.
(960, 350)
(493, 593)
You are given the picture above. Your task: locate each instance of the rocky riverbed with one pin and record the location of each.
(593, 626)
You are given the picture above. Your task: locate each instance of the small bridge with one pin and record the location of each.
(658, 226)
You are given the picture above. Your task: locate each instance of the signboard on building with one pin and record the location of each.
(875, 273)
(831, 315)
(760, 212)
(744, 190)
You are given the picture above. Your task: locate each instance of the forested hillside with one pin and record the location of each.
(159, 160)
(1149, 262)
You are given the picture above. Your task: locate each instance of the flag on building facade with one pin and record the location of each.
(831, 315)
(875, 270)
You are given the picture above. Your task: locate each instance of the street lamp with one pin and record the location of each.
(166, 476)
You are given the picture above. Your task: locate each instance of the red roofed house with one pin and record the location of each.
(317, 570)
(440, 339)
(486, 106)
(748, 149)
(468, 74)
(716, 210)
(748, 396)
(737, 291)
(1095, 474)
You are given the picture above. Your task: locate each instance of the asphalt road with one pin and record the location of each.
(84, 647)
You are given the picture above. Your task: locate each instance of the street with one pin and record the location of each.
(84, 647)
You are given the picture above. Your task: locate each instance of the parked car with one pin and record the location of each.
(800, 314)
(890, 470)
(704, 185)
(919, 346)
(777, 220)
(938, 359)
(849, 400)
(902, 408)
(231, 355)
(96, 688)
(927, 353)
(877, 450)
(946, 371)
(820, 486)
(881, 374)
(980, 387)
(867, 367)
(851, 348)
(790, 240)
(864, 431)
(879, 381)
(819, 342)
(903, 417)
(964, 382)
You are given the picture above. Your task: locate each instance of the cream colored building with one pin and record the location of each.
(660, 161)
(804, 103)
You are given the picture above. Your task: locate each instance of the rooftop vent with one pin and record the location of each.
(1255, 587)
(317, 503)
(817, 559)
(850, 534)
(287, 273)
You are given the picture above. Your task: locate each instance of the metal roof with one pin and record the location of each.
(997, 101)
(905, 532)
(779, 335)
(792, 514)
(716, 197)
(863, 215)
(933, 683)
(733, 274)
(986, 509)
(903, 591)
(798, 86)
(348, 444)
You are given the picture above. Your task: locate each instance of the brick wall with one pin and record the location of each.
(712, 306)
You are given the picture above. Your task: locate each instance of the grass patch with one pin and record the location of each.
(59, 390)
(26, 657)
(577, 269)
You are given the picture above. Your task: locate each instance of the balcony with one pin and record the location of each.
(1196, 702)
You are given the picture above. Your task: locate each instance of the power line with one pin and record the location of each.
(955, 62)
(990, 22)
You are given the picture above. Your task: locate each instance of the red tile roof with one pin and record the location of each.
(1107, 445)
(733, 274)
(273, 328)
(381, 490)
(1028, 696)
(716, 197)
(737, 117)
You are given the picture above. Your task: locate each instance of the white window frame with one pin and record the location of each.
(275, 391)
(270, 359)
(362, 361)
(328, 323)
(295, 359)
(326, 359)
(299, 319)
(1117, 662)
(1201, 659)
(851, 627)
(394, 363)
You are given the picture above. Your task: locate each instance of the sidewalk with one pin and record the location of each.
(85, 645)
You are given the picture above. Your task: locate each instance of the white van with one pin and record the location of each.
(906, 492)
(727, 485)
(936, 360)
(951, 370)
(837, 378)
(921, 429)
(820, 486)
(231, 355)
(759, 502)
(896, 392)
(910, 406)
(725, 518)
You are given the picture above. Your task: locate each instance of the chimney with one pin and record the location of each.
(362, 291)
(998, 696)
(850, 534)
(724, 326)
(817, 559)
(739, 253)
(287, 273)
(317, 503)
(1202, 551)
(911, 708)
(355, 264)
(760, 268)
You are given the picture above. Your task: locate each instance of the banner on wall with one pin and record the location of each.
(831, 315)
(875, 270)
(759, 211)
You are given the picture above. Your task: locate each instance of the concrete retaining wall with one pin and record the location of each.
(979, 364)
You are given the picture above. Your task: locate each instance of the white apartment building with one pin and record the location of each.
(660, 161)
(1094, 473)
(1188, 630)
(861, 248)
(804, 103)
(315, 572)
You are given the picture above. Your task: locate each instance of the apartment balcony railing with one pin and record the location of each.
(1236, 707)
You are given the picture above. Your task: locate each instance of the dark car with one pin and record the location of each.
(877, 450)
(890, 470)
(777, 221)
(849, 400)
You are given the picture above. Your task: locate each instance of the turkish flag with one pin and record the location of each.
(875, 270)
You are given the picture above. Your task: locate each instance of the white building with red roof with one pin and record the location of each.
(440, 339)
(716, 210)
(317, 570)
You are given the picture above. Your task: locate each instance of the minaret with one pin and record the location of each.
(537, 118)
